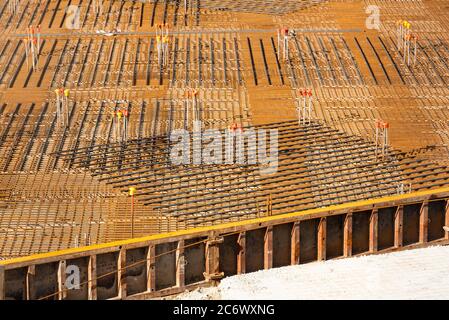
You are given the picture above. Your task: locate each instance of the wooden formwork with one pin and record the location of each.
(170, 263)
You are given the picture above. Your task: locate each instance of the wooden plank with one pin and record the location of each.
(241, 257)
(29, 285)
(212, 272)
(180, 264)
(2, 283)
(347, 236)
(268, 249)
(446, 221)
(373, 228)
(424, 222)
(151, 272)
(62, 294)
(295, 244)
(322, 239)
(92, 278)
(398, 227)
(169, 291)
(121, 274)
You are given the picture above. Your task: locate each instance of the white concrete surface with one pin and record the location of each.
(410, 274)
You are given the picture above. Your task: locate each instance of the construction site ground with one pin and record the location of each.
(64, 186)
(423, 276)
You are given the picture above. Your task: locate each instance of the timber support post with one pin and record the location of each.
(322, 232)
(92, 278)
(347, 236)
(398, 226)
(241, 257)
(30, 290)
(213, 273)
(424, 222)
(151, 272)
(62, 294)
(295, 244)
(373, 231)
(180, 264)
(121, 273)
(2, 283)
(446, 221)
(268, 248)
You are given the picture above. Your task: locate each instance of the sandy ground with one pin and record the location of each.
(411, 274)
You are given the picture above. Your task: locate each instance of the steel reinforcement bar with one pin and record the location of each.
(156, 265)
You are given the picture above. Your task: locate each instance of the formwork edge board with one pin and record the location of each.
(222, 228)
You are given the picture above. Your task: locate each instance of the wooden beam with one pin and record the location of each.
(446, 220)
(92, 278)
(322, 239)
(180, 264)
(62, 294)
(29, 285)
(169, 291)
(347, 236)
(2, 283)
(121, 274)
(241, 257)
(424, 222)
(373, 228)
(151, 272)
(212, 272)
(398, 227)
(268, 248)
(295, 244)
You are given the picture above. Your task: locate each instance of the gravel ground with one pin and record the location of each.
(410, 274)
